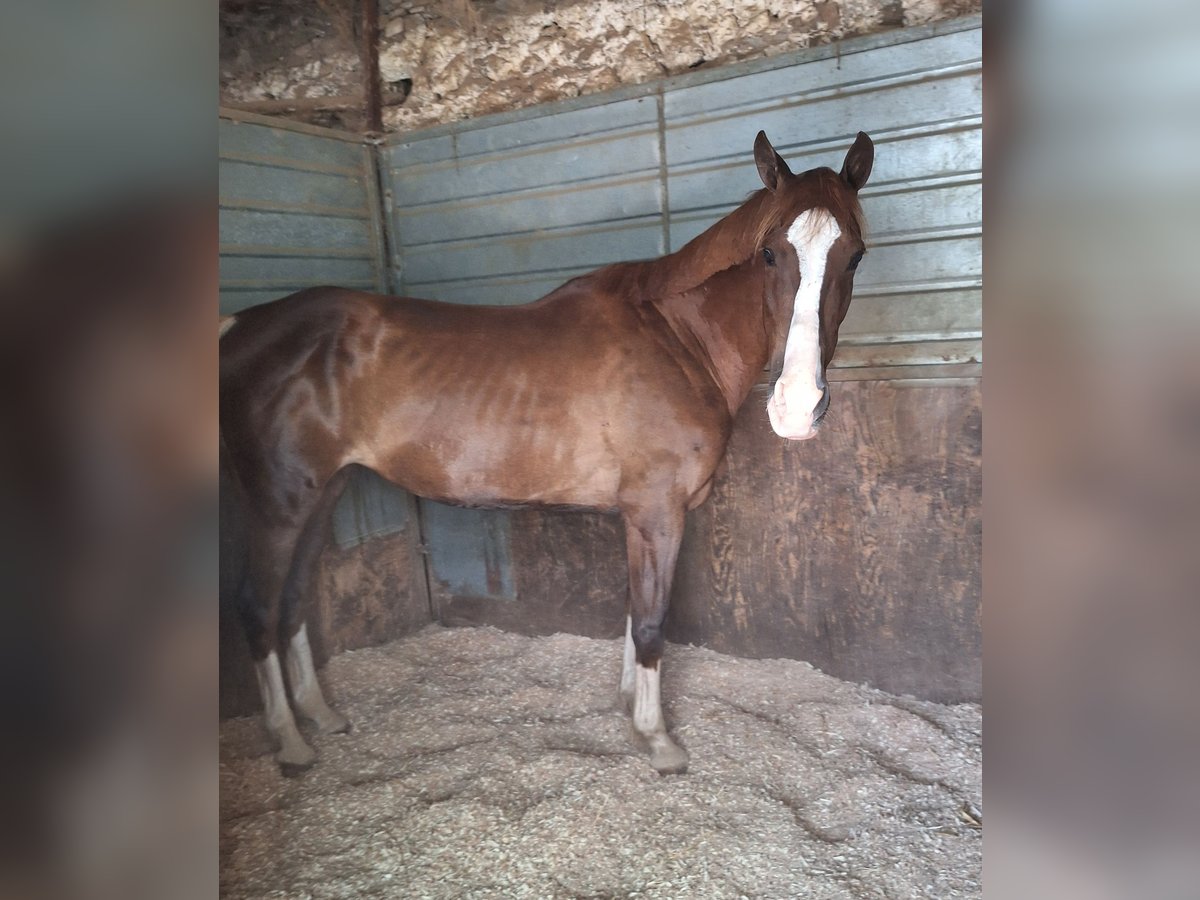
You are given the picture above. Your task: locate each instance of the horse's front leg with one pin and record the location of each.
(652, 543)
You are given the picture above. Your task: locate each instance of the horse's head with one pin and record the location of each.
(811, 245)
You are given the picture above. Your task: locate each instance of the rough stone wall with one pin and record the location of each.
(446, 60)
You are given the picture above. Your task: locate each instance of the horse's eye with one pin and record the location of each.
(855, 261)
(769, 256)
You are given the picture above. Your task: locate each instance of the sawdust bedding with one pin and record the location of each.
(484, 764)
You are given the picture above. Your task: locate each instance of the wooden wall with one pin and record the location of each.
(568, 573)
(858, 551)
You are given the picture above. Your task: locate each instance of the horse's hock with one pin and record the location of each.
(488, 764)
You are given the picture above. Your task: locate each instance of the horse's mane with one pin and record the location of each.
(733, 239)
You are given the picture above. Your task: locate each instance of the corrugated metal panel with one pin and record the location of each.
(298, 208)
(369, 507)
(469, 550)
(506, 208)
(505, 213)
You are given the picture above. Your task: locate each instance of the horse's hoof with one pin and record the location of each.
(334, 723)
(295, 758)
(668, 758)
(294, 770)
(327, 721)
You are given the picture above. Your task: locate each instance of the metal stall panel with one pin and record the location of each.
(298, 208)
(505, 213)
(506, 208)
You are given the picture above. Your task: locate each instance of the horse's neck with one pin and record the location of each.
(724, 323)
(727, 243)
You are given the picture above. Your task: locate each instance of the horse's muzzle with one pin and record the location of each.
(787, 426)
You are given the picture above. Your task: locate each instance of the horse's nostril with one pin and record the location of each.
(822, 407)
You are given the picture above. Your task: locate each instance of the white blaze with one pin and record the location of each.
(798, 390)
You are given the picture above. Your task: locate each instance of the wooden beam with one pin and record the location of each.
(370, 62)
(305, 104)
(296, 104)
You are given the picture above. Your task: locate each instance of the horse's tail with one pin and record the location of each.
(226, 324)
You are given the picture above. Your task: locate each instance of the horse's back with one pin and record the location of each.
(296, 320)
(547, 402)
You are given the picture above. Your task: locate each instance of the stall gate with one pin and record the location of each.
(858, 552)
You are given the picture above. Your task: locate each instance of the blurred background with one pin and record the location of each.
(109, 434)
(1092, 473)
(108, 273)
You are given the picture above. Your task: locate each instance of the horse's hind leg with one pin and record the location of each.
(271, 549)
(628, 662)
(652, 543)
(302, 676)
(306, 690)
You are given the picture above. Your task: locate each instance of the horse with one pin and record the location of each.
(616, 393)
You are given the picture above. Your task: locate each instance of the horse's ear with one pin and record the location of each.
(771, 167)
(859, 159)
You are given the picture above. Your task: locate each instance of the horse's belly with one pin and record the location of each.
(568, 477)
(504, 469)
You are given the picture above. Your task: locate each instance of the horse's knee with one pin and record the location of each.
(648, 643)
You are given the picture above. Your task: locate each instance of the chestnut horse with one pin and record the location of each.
(616, 392)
